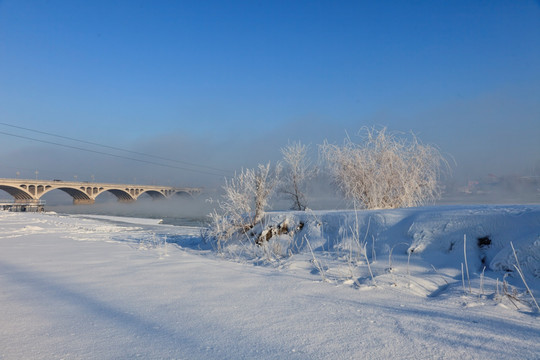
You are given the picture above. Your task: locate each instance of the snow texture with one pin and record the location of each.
(74, 287)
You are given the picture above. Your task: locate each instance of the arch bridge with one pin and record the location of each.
(27, 191)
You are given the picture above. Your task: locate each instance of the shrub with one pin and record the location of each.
(296, 173)
(385, 170)
(243, 203)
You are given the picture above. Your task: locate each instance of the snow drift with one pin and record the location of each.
(103, 288)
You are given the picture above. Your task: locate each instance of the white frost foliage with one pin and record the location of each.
(244, 201)
(296, 173)
(385, 171)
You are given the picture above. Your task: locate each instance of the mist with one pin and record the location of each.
(492, 158)
(177, 210)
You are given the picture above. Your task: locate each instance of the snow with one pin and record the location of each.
(76, 287)
(129, 220)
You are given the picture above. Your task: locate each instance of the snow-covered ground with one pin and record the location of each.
(80, 287)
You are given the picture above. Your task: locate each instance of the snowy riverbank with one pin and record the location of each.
(101, 288)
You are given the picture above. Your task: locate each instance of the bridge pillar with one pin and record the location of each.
(83, 201)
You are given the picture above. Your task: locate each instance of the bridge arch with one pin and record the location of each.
(17, 193)
(88, 194)
(121, 195)
(182, 193)
(79, 196)
(154, 194)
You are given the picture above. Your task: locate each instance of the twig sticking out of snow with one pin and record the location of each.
(466, 264)
(508, 294)
(408, 269)
(392, 250)
(463, 278)
(433, 267)
(315, 261)
(482, 281)
(368, 265)
(520, 272)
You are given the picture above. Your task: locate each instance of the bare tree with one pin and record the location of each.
(385, 170)
(296, 173)
(244, 201)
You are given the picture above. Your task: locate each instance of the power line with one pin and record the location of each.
(109, 154)
(113, 148)
(18, 168)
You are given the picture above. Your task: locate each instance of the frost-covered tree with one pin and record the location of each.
(296, 173)
(264, 184)
(385, 170)
(244, 201)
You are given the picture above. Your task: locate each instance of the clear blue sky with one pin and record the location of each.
(208, 81)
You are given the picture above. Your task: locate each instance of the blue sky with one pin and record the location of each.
(227, 83)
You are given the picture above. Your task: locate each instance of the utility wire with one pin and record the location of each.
(112, 155)
(32, 170)
(114, 148)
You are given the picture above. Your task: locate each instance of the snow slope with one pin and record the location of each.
(80, 288)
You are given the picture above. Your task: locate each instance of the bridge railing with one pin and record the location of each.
(25, 206)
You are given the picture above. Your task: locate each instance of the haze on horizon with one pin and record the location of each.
(220, 86)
